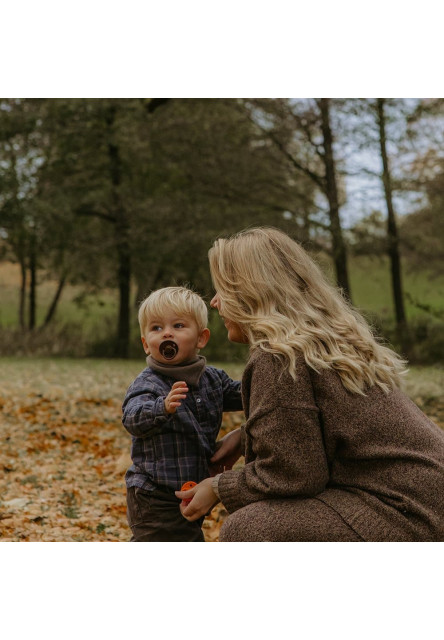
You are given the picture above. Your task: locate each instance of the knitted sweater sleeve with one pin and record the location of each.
(285, 456)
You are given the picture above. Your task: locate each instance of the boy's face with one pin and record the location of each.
(173, 339)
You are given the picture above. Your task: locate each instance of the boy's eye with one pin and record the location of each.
(179, 325)
(156, 327)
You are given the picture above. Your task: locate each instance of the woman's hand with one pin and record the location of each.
(227, 453)
(203, 499)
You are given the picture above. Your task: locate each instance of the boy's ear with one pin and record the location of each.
(145, 346)
(204, 336)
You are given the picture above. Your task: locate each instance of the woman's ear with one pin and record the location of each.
(145, 346)
(204, 336)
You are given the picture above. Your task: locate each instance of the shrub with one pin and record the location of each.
(424, 340)
(55, 340)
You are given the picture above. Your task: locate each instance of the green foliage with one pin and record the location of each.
(368, 237)
(426, 340)
(372, 290)
(128, 190)
(120, 196)
(423, 230)
(88, 329)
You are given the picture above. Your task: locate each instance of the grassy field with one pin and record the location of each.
(85, 325)
(88, 310)
(64, 452)
(369, 282)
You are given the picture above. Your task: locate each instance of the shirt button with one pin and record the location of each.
(198, 400)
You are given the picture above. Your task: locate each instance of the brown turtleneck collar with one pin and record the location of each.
(189, 371)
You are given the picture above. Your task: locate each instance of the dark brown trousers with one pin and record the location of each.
(154, 516)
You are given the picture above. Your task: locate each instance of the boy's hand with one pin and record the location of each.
(173, 400)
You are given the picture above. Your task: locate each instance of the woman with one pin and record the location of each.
(334, 451)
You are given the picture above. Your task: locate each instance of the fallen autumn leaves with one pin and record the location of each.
(64, 452)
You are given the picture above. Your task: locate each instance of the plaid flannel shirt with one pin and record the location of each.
(170, 449)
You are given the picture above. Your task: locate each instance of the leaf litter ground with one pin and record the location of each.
(64, 451)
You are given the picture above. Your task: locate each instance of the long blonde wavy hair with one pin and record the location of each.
(283, 303)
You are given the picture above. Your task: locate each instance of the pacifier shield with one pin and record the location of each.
(168, 349)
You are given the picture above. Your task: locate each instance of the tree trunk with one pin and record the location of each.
(122, 243)
(33, 282)
(22, 294)
(124, 283)
(53, 306)
(331, 191)
(392, 231)
(22, 298)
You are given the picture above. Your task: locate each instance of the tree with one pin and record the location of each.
(331, 191)
(20, 159)
(214, 176)
(302, 131)
(377, 131)
(392, 229)
(88, 175)
(138, 189)
(424, 249)
(425, 178)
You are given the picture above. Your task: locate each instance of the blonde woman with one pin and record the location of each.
(334, 451)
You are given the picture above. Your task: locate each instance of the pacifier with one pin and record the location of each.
(168, 349)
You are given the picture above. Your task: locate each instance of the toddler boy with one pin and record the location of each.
(173, 411)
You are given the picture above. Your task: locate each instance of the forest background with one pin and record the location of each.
(104, 200)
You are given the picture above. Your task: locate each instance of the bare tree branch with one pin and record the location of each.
(87, 211)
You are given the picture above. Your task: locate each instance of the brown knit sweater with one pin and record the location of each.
(376, 459)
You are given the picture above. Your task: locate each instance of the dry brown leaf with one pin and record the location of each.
(64, 452)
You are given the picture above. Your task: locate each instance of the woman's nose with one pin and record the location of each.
(215, 302)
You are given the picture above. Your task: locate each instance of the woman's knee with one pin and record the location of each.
(236, 527)
(249, 524)
(233, 529)
(288, 520)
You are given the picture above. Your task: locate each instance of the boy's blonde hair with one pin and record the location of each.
(279, 297)
(181, 300)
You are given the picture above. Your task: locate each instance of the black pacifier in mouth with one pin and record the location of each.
(168, 349)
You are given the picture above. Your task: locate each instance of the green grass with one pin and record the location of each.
(425, 384)
(104, 378)
(371, 288)
(370, 284)
(86, 325)
(74, 307)
(112, 376)
(372, 292)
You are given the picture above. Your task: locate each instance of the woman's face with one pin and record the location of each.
(235, 333)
